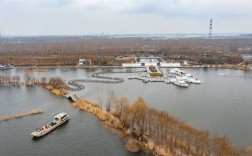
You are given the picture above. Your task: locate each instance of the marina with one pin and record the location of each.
(83, 129)
(174, 76)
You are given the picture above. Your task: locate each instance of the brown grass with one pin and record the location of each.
(57, 92)
(94, 108)
(17, 116)
(248, 150)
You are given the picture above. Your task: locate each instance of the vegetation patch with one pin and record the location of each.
(33, 112)
(157, 74)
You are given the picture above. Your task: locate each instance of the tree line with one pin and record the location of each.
(101, 51)
(167, 131)
(30, 80)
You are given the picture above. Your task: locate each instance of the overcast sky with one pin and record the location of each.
(77, 17)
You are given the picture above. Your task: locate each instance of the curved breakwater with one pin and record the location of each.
(98, 77)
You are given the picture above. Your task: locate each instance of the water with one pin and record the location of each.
(82, 135)
(221, 104)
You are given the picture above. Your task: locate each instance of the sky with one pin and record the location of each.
(80, 17)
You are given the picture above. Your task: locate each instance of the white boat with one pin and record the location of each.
(58, 120)
(181, 83)
(189, 79)
(188, 75)
(177, 72)
(172, 80)
(196, 81)
(167, 81)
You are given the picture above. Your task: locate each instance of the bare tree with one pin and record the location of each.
(111, 98)
(120, 105)
(43, 80)
(28, 77)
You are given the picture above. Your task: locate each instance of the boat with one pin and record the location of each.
(189, 79)
(181, 83)
(167, 81)
(176, 72)
(172, 80)
(58, 120)
(188, 75)
(196, 81)
(5, 66)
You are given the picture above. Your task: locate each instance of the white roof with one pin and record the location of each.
(60, 115)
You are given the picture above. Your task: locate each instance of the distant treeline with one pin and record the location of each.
(102, 50)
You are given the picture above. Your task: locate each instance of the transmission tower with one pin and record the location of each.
(210, 35)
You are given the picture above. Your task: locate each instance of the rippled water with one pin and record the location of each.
(82, 135)
(222, 104)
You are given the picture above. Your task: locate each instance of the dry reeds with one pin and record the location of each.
(17, 116)
(93, 108)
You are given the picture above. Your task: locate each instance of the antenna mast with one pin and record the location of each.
(210, 35)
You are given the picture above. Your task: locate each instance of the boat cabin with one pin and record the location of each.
(60, 116)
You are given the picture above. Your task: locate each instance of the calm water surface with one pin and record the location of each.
(222, 104)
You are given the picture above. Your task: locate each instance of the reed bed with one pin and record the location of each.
(17, 116)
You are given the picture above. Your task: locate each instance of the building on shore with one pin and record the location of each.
(84, 62)
(150, 61)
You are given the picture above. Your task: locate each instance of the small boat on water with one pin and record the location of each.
(180, 83)
(167, 81)
(177, 72)
(172, 80)
(58, 120)
(196, 81)
(189, 79)
(6, 66)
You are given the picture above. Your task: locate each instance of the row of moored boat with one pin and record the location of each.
(180, 78)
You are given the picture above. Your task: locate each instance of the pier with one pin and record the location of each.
(99, 78)
(72, 97)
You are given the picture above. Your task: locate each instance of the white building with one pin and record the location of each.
(84, 62)
(150, 61)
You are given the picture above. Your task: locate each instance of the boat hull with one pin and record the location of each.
(181, 84)
(46, 131)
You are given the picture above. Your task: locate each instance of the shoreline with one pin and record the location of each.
(136, 141)
(217, 66)
(113, 123)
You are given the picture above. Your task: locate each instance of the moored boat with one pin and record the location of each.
(5, 66)
(181, 83)
(172, 80)
(196, 81)
(58, 120)
(167, 81)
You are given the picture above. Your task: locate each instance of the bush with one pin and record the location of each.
(156, 74)
(152, 67)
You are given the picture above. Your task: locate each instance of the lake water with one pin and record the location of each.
(222, 104)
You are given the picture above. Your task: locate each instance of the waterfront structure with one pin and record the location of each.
(84, 62)
(5, 67)
(150, 61)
